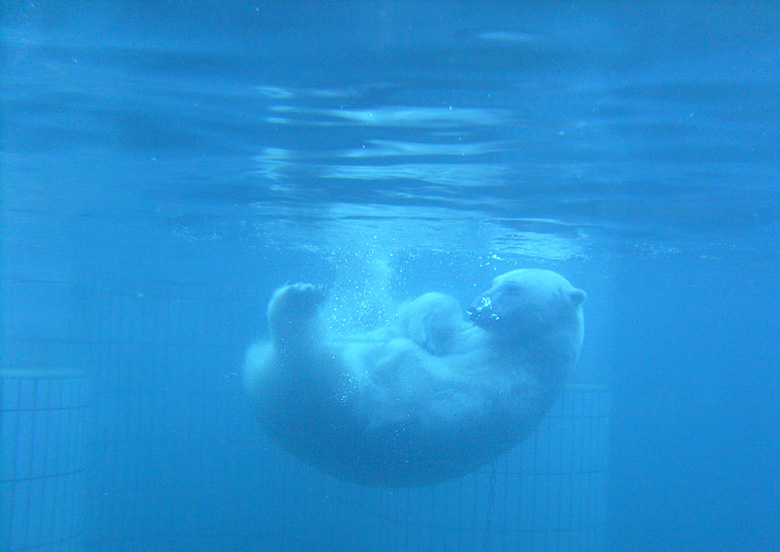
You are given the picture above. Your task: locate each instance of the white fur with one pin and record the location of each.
(429, 397)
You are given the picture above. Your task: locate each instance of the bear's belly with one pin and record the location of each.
(344, 435)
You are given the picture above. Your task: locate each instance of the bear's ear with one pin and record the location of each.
(577, 296)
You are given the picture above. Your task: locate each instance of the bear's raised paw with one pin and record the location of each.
(294, 301)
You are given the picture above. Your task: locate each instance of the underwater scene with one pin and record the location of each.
(389, 276)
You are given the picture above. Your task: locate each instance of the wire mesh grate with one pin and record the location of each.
(43, 418)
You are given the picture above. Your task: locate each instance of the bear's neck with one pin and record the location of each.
(550, 358)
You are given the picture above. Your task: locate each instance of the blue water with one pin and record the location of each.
(166, 165)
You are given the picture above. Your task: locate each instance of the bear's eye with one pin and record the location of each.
(511, 290)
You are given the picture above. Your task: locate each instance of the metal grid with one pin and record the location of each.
(43, 419)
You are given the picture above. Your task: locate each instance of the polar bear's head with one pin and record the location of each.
(531, 306)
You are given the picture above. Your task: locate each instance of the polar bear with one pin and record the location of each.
(428, 398)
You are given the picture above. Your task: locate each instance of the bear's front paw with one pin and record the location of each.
(294, 301)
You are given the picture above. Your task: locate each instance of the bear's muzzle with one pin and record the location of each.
(481, 312)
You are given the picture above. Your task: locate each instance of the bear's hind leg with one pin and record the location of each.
(292, 312)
